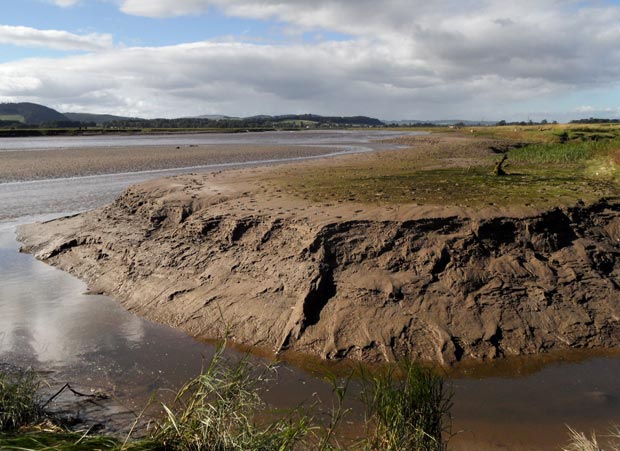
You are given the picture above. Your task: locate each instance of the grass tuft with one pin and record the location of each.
(216, 411)
(408, 413)
(20, 404)
(221, 410)
(581, 442)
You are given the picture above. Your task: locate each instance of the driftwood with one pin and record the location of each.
(98, 396)
(499, 170)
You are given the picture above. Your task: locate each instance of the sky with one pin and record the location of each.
(391, 59)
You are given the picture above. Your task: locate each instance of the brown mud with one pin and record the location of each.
(228, 254)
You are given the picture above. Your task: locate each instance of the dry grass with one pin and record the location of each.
(581, 442)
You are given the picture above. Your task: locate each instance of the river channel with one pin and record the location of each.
(50, 323)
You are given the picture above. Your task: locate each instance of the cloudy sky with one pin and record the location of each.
(392, 59)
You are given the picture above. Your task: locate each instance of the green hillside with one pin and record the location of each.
(30, 113)
(96, 118)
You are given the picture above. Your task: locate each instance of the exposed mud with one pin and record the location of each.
(368, 283)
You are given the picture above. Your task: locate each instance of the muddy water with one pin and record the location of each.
(48, 322)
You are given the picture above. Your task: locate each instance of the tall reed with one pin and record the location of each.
(407, 409)
(20, 404)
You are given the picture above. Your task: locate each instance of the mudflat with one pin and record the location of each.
(73, 162)
(278, 261)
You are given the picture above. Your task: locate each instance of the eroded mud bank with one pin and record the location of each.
(215, 257)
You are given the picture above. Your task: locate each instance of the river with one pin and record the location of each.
(50, 323)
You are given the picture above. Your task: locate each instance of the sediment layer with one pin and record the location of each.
(337, 281)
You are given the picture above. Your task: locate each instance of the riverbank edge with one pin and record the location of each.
(229, 254)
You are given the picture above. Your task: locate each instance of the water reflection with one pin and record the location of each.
(47, 320)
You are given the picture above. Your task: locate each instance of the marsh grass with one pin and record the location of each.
(217, 411)
(558, 153)
(222, 410)
(554, 166)
(473, 187)
(581, 442)
(407, 409)
(20, 404)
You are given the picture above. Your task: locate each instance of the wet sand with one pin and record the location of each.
(74, 162)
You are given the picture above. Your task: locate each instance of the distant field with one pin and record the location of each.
(12, 117)
(546, 166)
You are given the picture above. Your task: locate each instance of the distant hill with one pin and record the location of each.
(310, 118)
(22, 115)
(262, 122)
(214, 117)
(340, 120)
(96, 118)
(441, 122)
(30, 113)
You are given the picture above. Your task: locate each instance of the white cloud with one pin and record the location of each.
(590, 109)
(65, 3)
(53, 39)
(403, 59)
(554, 40)
(245, 79)
(164, 8)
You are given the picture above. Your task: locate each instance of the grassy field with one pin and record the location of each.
(12, 117)
(546, 166)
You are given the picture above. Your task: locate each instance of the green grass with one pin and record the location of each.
(217, 411)
(19, 402)
(474, 187)
(553, 166)
(221, 410)
(68, 441)
(569, 152)
(407, 411)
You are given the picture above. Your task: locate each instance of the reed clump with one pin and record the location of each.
(407, 408)
(20, 404)
(222, 410)
(217, 411)
(581, 442)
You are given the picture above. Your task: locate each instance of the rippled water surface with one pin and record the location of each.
(48, 322)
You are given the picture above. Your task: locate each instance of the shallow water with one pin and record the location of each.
(47, 322)
(305, 138)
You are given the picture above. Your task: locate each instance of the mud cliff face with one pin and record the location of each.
(443, 288)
